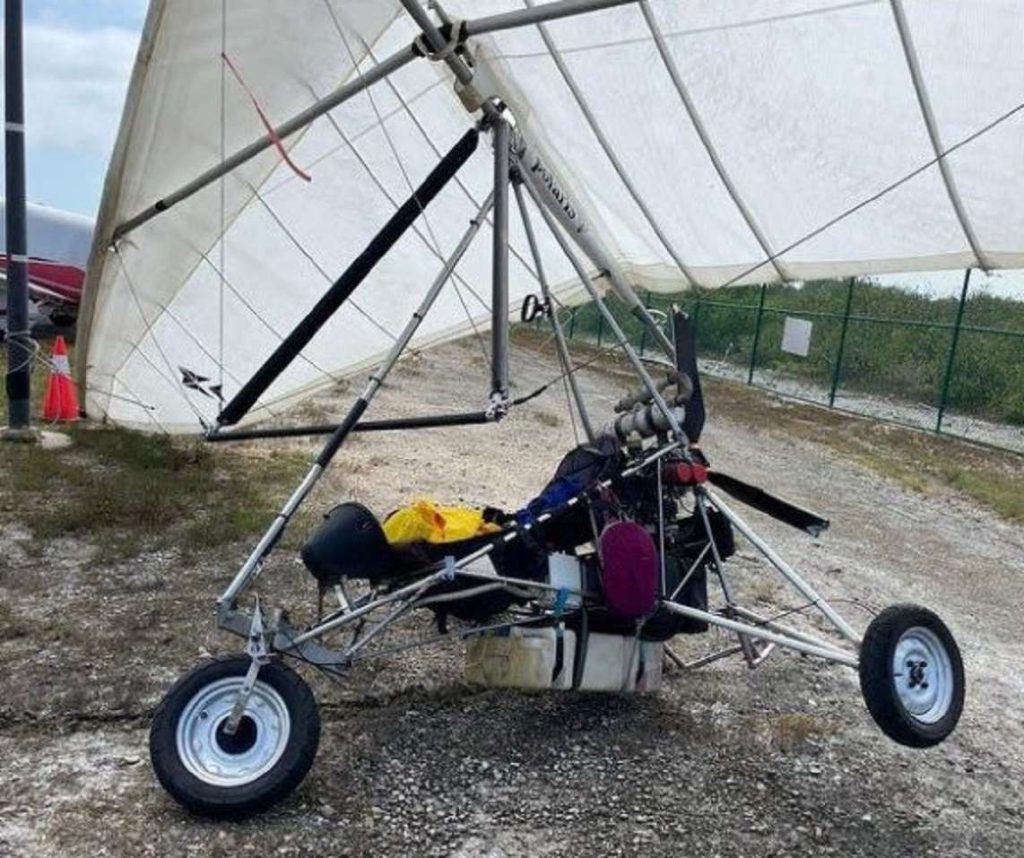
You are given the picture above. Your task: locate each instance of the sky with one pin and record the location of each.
(78, 57)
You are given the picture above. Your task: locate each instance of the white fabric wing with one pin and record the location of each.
(707, 142)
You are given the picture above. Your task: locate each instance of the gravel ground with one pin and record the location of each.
(783, 760)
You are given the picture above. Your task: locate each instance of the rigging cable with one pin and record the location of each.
(405, 175)
(877, 196)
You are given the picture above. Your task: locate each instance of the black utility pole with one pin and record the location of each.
(19, 355)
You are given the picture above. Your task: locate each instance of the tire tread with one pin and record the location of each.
(876, 678)
(270, 788)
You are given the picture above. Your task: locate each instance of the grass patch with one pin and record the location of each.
(128, 492)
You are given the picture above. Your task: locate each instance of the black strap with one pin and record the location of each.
(345, 285)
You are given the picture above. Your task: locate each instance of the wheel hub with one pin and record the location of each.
(923, 674)
(219, 758)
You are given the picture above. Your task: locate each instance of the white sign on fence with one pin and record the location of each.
(796, 336)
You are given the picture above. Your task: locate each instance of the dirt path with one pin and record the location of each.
(779, 761)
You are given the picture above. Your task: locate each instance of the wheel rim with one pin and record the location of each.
(923, 674)
(208, 753)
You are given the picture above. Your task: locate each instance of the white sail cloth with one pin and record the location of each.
(753, 126)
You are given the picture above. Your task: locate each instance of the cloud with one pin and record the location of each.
(75, 83)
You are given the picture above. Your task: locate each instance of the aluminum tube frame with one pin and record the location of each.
(767, 623)
(252, 564)
(548, 187)
(347, 90)
(499, 266)
(411, 597)
(231, 621)
(338, 96)
(784, 568)
(538, 14)
(760, 633)
(437, 42)
(617, 332)
(524, 147)
(342, 620)
(413, 324)
(556, 325)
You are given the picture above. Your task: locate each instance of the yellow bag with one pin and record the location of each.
(427, 521)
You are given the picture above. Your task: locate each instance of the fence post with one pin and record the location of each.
(757, 333)
(600, 329)
(842, 343)
(947, 378)
(572, 322)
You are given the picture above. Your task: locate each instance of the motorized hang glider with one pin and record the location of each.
(303, 191)
(58, 249)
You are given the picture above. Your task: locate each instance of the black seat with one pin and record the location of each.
(350, 543)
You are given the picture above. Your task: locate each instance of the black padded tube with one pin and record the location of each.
(345, 285)
(431, 422)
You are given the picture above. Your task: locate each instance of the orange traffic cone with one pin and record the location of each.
(61, 401)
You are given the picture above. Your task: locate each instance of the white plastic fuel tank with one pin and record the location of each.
(618, 663)
(521, 657)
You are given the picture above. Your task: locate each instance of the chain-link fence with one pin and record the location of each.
(952, 364)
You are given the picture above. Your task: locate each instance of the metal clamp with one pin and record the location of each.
(257, 649)
(456, 36)
(498, 406)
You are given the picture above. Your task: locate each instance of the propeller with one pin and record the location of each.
(686, 362)
(769, 504)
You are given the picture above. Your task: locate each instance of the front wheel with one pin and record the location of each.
(912, 676)
(216, 774)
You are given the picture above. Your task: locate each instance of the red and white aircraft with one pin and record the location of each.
(58, 249)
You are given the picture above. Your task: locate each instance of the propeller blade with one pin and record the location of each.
(686, 361)
(777, 508)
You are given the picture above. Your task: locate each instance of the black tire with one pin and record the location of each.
(920, 704)
(285, 767)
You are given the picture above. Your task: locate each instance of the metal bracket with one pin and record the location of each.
(259, 652)
(498, 406)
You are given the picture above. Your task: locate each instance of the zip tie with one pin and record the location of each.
(266, 123)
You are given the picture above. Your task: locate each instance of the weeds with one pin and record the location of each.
(129, 492)
(897, 342)
(790, 732)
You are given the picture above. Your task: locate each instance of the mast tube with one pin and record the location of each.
(499, 267)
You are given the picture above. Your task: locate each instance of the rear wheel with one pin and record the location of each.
(912, 676)
(226, 775)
